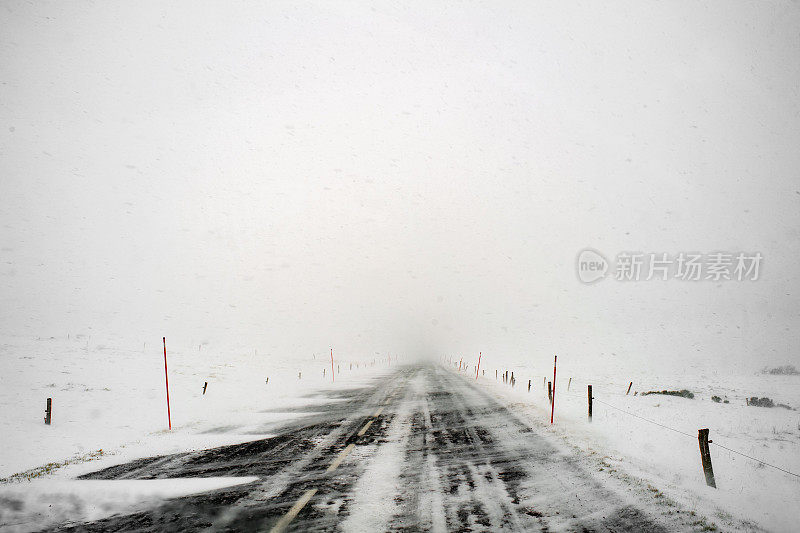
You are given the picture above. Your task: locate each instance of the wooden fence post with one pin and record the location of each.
(529, 385)
(569, 383)
(629, 388)
(49, 411)
(550, 392)
(590, 403)
(205, 385)
(705, 457)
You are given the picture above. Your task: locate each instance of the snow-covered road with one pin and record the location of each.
(422, 449)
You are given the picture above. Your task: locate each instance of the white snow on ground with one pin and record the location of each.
(118, 407)
(41, 503)
(747, 491)
(111, 398)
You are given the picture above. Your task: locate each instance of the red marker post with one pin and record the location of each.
(333, 377)
(553, 403)
(478, 368)
(166, 379)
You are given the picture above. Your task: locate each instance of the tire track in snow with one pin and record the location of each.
(477, 498)
(375, 495)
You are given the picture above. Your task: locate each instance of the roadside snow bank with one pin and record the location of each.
(46, 502)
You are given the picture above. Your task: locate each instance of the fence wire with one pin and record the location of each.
(737, 452)
(573, 395)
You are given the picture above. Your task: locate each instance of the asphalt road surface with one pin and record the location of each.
(421, 450)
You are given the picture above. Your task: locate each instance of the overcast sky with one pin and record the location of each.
(409, 176)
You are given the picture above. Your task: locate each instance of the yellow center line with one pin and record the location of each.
(307, 495)
(339, 458)
(296, 508)
(365, 428)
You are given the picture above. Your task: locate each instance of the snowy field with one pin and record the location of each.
(109, 398)
(668, 458)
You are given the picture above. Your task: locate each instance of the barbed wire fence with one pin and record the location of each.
(576, 395)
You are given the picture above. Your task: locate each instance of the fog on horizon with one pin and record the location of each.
(419, 179)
